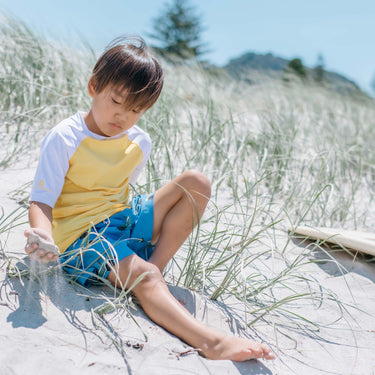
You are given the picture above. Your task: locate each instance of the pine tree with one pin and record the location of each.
(319, 69)
(178, 30)
(297, 67)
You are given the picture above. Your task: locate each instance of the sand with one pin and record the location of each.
(48, 325)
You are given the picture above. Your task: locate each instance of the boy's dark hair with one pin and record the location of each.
(129, 66)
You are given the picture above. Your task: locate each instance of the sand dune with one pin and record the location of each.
(48, 325)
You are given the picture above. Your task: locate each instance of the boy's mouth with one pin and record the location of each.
(114, 125)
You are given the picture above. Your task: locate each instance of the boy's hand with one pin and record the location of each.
(40, 246)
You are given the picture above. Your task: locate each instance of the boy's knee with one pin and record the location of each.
(196, 180)
(146, 272)
(134, 271)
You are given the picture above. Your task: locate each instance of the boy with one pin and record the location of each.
(80, 196)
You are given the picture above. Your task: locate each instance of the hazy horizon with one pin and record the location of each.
(339, 30)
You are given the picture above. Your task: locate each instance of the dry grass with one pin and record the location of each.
(277, 155)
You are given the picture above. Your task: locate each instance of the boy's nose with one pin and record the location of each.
(121, 116)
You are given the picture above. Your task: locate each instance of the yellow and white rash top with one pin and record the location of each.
(85, 177)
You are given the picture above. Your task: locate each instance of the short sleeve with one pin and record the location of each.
(52, 168)
(144, 142)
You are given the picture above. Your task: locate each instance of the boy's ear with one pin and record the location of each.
(92, 86)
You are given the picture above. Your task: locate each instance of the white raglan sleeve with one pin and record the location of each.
(52, 168)
(144, 142)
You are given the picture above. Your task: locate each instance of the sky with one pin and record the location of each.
(343, 31)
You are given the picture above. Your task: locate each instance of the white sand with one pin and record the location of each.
(47, 326)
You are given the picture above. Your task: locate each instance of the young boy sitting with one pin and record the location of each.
(80, 199)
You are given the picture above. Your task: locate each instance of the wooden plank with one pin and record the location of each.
(359, 241)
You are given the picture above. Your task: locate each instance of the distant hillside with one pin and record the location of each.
(242, 68)
(251, 60)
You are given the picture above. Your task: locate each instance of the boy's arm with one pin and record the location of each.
(40, 219)
(40, 216)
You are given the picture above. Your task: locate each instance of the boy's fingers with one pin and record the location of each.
(47, 257)
(30, 248)
(51, 257)
(36, 251)
(41, 253)
(42, 257)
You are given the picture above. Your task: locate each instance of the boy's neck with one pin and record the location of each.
(88, 118)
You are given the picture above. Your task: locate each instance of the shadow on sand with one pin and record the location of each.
(72, 300)
(337, 262)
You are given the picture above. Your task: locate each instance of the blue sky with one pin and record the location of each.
(342, 31)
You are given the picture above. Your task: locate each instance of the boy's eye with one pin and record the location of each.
(115, 101)
(135, 111)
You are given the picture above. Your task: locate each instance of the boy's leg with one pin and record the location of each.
(178, 207)
(160, 305)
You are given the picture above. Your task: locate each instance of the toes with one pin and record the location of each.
(246, 354)
(267, 352)
(260, 351)
(257, 352)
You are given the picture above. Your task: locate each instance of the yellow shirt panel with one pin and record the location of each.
(96, 186)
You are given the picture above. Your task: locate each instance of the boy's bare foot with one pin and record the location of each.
(238, 349)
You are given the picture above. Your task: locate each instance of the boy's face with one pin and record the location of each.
(108, 116)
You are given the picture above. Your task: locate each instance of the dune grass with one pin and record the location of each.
(278, 154)
(39, 83)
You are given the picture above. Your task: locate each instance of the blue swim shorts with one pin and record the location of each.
(91, 257)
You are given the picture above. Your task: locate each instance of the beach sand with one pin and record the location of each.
(48, 325)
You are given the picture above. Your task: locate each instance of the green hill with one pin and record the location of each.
(251, 65)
